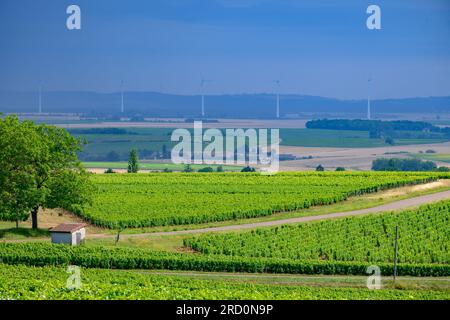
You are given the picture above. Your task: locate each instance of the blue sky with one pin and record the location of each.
(313, 47)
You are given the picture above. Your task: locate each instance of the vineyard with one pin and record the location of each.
(424, 237)
(42, 254)
(22, 282)
(339, 247)
(172, 199)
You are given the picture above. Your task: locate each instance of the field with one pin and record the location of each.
(157, 199)
(344, 139)
(155, 166)
(325, 259)
(151, 141)
(355, 158)
(21, 282)
(423, 238)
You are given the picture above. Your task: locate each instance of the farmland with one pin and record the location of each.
(424, 238)
(157, 166)
(41, 254)
(114, 144)
(346, 138)
(158, 199)
(22, 282)
(234, 265)
(252, 253)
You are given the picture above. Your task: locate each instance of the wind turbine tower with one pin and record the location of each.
(368, 99)
(40, 98)
(202, 85)
(122, 109)
(278, 97)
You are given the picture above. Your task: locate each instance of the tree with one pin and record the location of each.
(133, 165)
(188, 168)
(206, 169)
(219, 169)
(112, 156)
(340, 169)
(248, 169)
(389, 141)
(39, 168)
(320, 168)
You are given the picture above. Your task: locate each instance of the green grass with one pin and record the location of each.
(48, 283)
(155, 166)
(22, 233)
(156, 243)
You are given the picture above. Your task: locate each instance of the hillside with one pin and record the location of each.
(223, 106)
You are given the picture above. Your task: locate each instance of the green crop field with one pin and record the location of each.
(42, 254)
(22, 282)
(155, 199)
(334, 247)
(152, 140)
(424, 237)
(344, 139)
(155, 166)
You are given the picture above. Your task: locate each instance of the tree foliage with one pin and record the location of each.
(396, 164)
(38, 168)
(133, 165)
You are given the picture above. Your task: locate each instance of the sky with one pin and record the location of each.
(313, 47)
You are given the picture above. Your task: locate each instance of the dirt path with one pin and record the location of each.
(401, 204)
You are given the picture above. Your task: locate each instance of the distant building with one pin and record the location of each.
(68, 233)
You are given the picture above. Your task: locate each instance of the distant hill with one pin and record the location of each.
(241, 105)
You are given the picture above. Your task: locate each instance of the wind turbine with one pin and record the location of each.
(202, 85)
(121, 97)
(368, 98)
(40, 98)
(278, 97)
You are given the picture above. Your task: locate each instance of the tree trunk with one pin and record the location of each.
(17, 223)
(34, 221)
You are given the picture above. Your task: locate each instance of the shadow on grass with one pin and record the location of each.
(23, 232)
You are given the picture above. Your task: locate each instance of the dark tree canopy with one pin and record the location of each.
(320, 168)
(133, 165)
(396, 164)
(39, 168)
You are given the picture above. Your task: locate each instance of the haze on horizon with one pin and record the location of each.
(318, 48)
